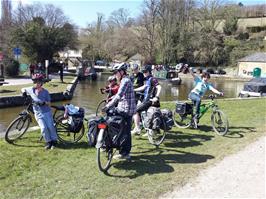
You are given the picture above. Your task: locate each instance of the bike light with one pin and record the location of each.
(102, 126)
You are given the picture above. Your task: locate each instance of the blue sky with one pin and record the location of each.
(82, 12)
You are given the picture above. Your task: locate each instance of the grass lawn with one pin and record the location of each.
(53, 86)
(28, 171)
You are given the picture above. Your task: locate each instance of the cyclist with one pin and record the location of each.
(152, 90)
(138, 80)
(42, 111)
(201, 86)
(125, 98)
(112, 87)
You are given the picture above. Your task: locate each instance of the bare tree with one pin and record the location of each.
(120, 18)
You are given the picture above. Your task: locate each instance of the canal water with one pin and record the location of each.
(87, 95)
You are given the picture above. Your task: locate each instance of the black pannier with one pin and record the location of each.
(115, 128)
(153, 119)
(76, 121)
(183, 108)
(93, 131)
(168, 118)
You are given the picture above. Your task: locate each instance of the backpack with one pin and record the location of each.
(153, 119)
(93, 131)
(183, 108)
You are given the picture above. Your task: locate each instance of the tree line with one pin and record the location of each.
(165, 32)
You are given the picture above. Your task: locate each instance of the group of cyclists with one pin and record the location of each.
(129, 94)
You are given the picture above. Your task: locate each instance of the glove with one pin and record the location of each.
(221, 94)
(155, 99)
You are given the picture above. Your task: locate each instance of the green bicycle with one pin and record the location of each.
(184, 116)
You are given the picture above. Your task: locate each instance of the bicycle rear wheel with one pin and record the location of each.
(104, 158)
(99, 108)
(63, 132)
(220, 122)
(17, 128)
(156, 137)
(182, 120)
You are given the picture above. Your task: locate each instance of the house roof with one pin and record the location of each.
(256, 57)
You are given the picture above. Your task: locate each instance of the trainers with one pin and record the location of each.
(145, 135)
(48, 145)
(135, 131)
(53, 144)
(122, 157)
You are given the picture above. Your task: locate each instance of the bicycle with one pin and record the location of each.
(19, 126)
(102, 103)
(109, 138)
(184, 116)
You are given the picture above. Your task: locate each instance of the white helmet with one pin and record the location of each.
(119, 67)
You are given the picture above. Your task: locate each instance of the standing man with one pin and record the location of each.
(61, 70)
(138, 80)
(152, 90)
(125, 98)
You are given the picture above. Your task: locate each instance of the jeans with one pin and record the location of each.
(196, 100)
(46, 123)
(126, 145)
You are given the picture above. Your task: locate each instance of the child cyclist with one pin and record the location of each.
(201, 86)
(112, 88)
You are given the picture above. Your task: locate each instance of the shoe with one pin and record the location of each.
(135, 131)
(122, 157)
(48, 145)
(53, 144)
(145, 135)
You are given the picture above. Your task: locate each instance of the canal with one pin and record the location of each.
(87, 95)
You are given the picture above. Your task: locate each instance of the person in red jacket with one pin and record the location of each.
(112, 87)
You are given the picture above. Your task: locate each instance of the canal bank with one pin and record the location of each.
(19, 100)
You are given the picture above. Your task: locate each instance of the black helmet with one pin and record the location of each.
(147, 68)
(119, 67)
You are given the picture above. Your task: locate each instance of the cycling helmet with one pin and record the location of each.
(147, 68)
(119, 67)
(111, 78)
(38, 77)
(135, 66)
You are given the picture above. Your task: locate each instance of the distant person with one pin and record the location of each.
(32, 68)
(61, 71)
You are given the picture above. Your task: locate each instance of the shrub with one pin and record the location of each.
(11, 67)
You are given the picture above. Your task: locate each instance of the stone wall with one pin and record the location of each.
(19, 100)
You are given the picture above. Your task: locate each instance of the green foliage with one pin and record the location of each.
(231, 42)
(11, 67)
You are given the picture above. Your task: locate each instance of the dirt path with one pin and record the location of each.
(241, 175)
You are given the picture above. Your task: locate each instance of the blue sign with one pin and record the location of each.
(17, 51)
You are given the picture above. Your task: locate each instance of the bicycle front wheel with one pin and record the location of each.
(182, 120)
(99, 108)
(63, 132)
(220, 122)
(156, 137)
(17, 128)
(104, 158)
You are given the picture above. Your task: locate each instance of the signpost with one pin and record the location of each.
(17, 52)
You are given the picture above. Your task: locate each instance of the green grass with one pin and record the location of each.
(28, 171)
(53, 86)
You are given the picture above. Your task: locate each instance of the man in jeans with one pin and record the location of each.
(125, 100)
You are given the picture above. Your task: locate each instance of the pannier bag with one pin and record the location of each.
(153, 119)
(75, 121)
(93, 131)
(183, 108)
(168, 118)
(115, 128)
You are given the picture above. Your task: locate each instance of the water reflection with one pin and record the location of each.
(87, 95)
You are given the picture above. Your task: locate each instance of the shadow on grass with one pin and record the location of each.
(157, 163)
(79, 145)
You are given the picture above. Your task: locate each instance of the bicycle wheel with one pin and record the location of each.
(182, 120)
(219, 122)
(99, 108)
(156, 137)
(104, 158)
(17, 128)
(63, 132)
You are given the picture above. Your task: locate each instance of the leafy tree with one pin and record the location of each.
(42, 31)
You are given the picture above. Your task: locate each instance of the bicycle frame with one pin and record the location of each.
(206, 106)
